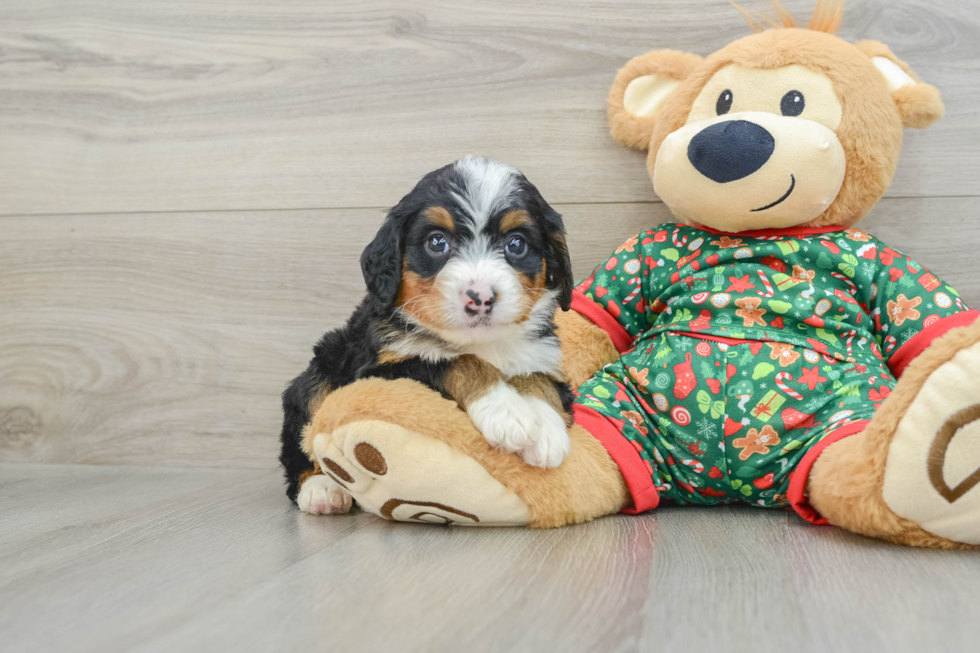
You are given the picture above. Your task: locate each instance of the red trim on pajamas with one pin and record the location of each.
(918, 343)
(596, 314)
(766, 233)
(796, 495)
(635, 472)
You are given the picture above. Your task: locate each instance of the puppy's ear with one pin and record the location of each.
(557, 262)
(918, 104)
(639, 91)
(381, 261)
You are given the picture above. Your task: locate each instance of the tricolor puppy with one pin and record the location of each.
(463, 281)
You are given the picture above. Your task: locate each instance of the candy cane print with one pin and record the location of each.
(635, 281)
(694, 464)
(768, 286)
(850, 284)
(678, 242)
(850, 338)
(890, 343)
(781, 379)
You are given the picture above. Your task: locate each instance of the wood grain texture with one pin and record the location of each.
(129, 559)
(166, 339)
(149, 106)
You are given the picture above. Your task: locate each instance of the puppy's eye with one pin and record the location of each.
(792, 104)
(724, 104)
(437, 245)
(516, 246)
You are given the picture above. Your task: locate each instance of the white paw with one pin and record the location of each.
(504, 418)
(551, 443)
(320, 495)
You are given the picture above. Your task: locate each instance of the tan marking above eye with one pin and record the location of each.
(514, 219)
(440, 217)
(755, 89)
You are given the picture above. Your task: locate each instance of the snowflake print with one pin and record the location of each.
(706, 428)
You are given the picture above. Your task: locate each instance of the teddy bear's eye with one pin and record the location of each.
(792, 104)
(724, 104)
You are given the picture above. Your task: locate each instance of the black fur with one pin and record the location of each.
(555, 250)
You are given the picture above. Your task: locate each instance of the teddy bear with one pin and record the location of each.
(762, 349)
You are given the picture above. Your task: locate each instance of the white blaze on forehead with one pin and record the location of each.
(486, 188)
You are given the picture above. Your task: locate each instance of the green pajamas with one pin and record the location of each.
(719, 422)
(744, 353)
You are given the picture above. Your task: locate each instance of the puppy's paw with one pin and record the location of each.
(551, 442)
(504, 418)
(320, 495)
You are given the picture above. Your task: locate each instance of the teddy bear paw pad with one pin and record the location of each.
(402, 475)
(932, 474)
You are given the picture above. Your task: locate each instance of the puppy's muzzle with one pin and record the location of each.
(482, 299)
(730, 150)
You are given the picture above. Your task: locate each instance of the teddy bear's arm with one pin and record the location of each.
(585, 347)
(621, 296)
(912, 308)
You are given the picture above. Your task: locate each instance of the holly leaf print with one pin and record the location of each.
(683, 315)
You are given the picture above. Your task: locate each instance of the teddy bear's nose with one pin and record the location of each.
(730, 150)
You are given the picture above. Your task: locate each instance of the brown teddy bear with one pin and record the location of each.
(761, 350)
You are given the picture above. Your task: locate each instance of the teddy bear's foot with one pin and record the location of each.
(408, 454)
(913, 475)
(403, 475)
(320, 495)
(932, 473)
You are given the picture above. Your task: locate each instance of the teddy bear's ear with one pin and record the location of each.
(640, 90)
(918, 103)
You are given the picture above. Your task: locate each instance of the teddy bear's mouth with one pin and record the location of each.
(792, 185)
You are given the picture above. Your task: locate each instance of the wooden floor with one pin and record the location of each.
(121, 558)
(184, 192)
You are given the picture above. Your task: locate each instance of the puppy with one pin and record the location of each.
(463, 281)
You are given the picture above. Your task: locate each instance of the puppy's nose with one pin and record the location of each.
(480, 299)
(730, 150)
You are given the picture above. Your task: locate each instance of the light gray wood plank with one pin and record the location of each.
(166, 339)
(148, 106)
(128, 559)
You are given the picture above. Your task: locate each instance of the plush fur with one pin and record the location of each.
(870, 132)
(626, 127)
(587, 347)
